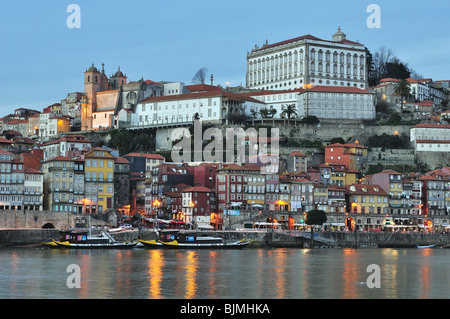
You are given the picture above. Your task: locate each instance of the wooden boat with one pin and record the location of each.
(81, 239)
(193, 240)
(152, 244)
(94, 244)
(428, 246)
(51, 243)
(65, 236)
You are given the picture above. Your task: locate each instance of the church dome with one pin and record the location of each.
(92, 68)
(118, 73)
(339, 35)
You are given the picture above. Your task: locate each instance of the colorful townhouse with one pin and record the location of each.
(392, 183)
(367, 207)
(99, 180)
(197, 203)
(59, 184)
(350, 155)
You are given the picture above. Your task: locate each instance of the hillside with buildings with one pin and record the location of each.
(368, 155)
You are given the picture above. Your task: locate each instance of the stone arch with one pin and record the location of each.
(48, 226)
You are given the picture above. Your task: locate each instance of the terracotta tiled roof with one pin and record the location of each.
(32, 171)
(388, 80)
(152, 82)
(389, 171)
(121, 160)
(60, 158)
(297, 153)
(305, 37)
(364, 189)
(444, 126)
(5, 141)
(196, 189)
(146, 155)
(202, 88)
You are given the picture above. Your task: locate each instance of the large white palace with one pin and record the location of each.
(326, 79)
(293, 63)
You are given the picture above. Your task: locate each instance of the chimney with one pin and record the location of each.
(212, 81)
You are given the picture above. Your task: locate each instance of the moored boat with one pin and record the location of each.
(51, 243)
(81, 239)
(94, 244)
(427, 246)
(152, 244)
(194, 240)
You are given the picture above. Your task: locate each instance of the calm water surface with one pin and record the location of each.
(247, 273)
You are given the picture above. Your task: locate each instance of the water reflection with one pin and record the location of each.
(279, 273)
(250, 273)
(155, 273)
(213, 272)
(190, 270)
(425, 273)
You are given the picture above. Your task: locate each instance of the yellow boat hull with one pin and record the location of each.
(53, 243)
(170, 243)
(151, 243)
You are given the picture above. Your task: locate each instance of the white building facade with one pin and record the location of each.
(336, 103)
(213, 106)
(424, 132)
(293, 63)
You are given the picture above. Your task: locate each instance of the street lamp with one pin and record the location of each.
(191, 205)
(156, 203)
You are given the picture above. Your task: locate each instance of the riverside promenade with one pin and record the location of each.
(261, 238)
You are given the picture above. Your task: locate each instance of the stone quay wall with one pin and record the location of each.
(296, 239)
(259, 238)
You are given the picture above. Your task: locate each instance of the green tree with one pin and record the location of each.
(254, 113)
(403, 89)
(264, 113)
(394, 119)
(120, 139)
(397, 70)
(386, 141)
(272, 112)
(316, 217)
(142, 142)
(289, 110)
(335, 140)
(310, 119)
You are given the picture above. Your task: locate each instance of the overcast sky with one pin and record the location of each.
(42, 59)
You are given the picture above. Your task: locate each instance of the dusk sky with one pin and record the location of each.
(42, 59)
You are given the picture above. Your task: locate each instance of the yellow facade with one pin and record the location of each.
(351, 177)
(99, 181)
(321, 198)
(63, 125)
(367, 199)
(395, 194)
(256, 183)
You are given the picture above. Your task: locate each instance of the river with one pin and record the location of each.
(36, 273)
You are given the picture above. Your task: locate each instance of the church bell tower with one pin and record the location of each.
(92, 84)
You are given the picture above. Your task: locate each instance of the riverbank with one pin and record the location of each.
(258, 239)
